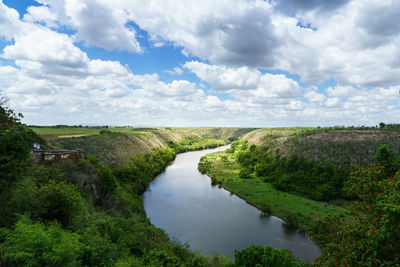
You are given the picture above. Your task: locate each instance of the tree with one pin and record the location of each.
(373, 238)
(384, 157)
(35, 244)
(265, 256)
(15, 144)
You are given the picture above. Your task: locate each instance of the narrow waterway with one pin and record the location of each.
(183, 202)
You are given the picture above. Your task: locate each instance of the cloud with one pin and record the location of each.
(41, 14)
(353, 42)
(224, 78)
(266, 87)
(175, 71)
(52, 81)
(315, 97)
(216, 30)
(96, 23)
(9, 22)
(344, 44)
(383, 25)
(292, 7)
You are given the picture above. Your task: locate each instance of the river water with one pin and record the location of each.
(183, 202)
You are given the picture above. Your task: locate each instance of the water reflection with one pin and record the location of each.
(183, 203)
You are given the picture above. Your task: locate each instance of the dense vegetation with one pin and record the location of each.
(115, 147)
(80, 213)
(371, 239)
(297, 211)
(341, 146)
(294, 174)
(316, 180)
(198, 143)
(84, 213)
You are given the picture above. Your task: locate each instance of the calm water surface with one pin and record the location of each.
(183, 203)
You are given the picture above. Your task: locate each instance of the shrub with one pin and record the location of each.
(265, 256)
(245, 173)
(373, 238)
(35, 244)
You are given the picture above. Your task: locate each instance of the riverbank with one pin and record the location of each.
(182, 202)
(296, 211)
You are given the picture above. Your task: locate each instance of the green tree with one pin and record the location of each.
(259, 256)
(35, 244)
(15, 144)
(384, 157)
(373, 238)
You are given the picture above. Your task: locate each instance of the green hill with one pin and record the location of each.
(114, 148)
(341, 146)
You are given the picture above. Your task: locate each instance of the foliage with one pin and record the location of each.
(204, 165)
(198, 143)
(374, 238)
(15, 144)
(35, 244)
(50, 201)
(141, 169)
(326, 228)
(294, 174)
(82, 213)
(301, 212)
(342, 146)
(104, 131)
(245, 173)
(265, 256)
(384, 157)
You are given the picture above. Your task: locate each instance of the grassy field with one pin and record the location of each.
(50, 131)
(287, 206)
(55, 131)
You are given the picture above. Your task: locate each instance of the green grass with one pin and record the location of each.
(305, 211)
(50, 131)
(55, 132)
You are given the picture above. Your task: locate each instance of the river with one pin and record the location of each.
(183, 202)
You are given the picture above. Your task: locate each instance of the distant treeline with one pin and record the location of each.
(381, 126)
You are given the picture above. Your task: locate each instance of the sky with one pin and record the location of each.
(220, 63)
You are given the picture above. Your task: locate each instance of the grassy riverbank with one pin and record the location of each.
(298, 211)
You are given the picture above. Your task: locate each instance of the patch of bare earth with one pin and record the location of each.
(72, 135)
(356, 135)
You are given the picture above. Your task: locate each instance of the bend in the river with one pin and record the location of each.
(183, 202)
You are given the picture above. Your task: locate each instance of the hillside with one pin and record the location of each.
(340, 146)
(113, 148)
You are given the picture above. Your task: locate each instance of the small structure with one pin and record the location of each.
(57, 155)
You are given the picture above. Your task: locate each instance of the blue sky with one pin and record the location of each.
(219, 63)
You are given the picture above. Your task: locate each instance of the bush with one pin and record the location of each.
(15, 144)
(373, 238)
(265, 256)
(59, 202)
(265, 208)
(245, 173)
(35, 244)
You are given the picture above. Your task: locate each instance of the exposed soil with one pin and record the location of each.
(72, 135)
